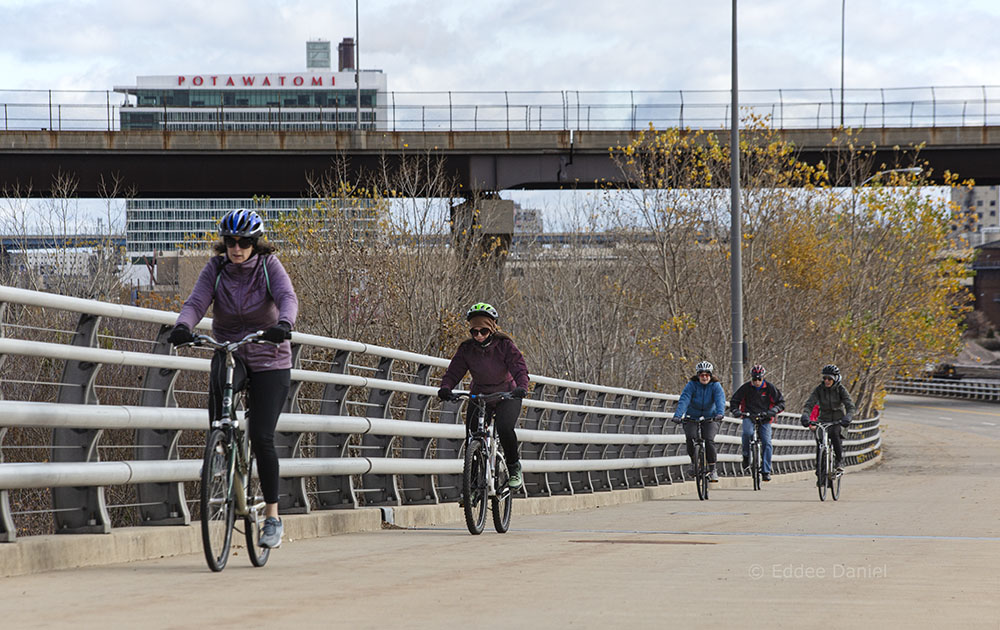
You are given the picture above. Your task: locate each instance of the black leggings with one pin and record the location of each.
(266, 393)
(708, 430)
(504, 414)
(833, 432)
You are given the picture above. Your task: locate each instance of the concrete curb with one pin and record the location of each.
(37, 554)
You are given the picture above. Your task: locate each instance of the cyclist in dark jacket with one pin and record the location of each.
(249, 290)
(834, 405)
(753, 398)
(702, 398)
(496, 365)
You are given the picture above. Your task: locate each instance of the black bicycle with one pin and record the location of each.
(827, 476)
(485, 474)
(228, 487)
(757, 448)
(700, 461)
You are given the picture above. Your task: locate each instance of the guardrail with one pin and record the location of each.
(359, 427)
(947, 388)
(949, 106)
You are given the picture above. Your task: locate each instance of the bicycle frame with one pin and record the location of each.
(227, 437)
(485, 431)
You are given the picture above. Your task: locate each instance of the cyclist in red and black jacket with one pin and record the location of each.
(755, 397)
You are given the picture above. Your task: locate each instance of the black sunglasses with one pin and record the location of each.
(243, 241)
(475, 332)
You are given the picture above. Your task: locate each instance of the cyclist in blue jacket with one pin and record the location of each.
(702, 398)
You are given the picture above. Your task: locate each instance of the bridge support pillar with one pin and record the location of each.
(160, 503)
(79, 510)
(334, 491)
(292, 497)
(416, 489)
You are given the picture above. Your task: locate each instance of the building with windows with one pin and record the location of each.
(314, 99)
(979, 222)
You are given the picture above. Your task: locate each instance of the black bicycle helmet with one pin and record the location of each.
(831, 370)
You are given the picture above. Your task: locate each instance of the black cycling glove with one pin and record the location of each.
(181, 334)
(278, 333)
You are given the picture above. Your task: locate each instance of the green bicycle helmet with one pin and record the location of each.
(484, 309)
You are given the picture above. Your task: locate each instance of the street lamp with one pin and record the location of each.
(357, 67)
(843, 6)
(735, 233)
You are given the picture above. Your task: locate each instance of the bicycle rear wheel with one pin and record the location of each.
(701, 472)
(504, 499)
(474, 486)
(217, 510)
(822, 473)
(755, 463)
(253, 522)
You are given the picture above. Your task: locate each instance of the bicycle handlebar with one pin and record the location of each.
(228, 346)
(484, 397)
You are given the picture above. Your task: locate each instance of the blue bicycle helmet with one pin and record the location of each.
(239, 223)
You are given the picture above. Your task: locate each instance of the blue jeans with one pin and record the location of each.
(765, 438)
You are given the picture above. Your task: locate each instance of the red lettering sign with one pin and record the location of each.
(197, 80)
(248, 81)
(213, 80)
(317, 81)
(281, 80)
(230, 81)
(266, 81)
(298, 81)
(180, 80)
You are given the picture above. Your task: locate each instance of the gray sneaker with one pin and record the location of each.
(713, 476)
(516, 478)
(270, 535)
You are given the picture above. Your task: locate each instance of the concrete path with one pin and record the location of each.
(913, 543)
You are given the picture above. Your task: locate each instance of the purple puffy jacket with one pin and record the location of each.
(242, 305)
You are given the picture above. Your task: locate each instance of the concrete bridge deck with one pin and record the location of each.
(913, 542)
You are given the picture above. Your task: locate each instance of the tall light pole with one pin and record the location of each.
(843, 6)
(357, 66)
(735, 233)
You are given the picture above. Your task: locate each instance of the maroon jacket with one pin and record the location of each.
(499, 367)
(242, 305)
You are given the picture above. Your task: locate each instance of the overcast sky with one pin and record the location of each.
(457, 45)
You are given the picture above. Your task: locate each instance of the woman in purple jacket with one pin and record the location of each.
(249, 291)
(496, 365)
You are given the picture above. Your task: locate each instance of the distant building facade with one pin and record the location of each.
(979, 222)
(986, 281)
(314, 99)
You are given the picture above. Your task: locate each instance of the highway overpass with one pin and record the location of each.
(282, 163)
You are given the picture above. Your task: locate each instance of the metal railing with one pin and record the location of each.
(359, 427)
(947, 388)
(947, 106)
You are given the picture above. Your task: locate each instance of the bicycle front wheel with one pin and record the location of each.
(755, 463)
(474, 497)
(217, 510)
(822, 472)
(253, 522)
(504, 499)
(835, 485)
(701, 473)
